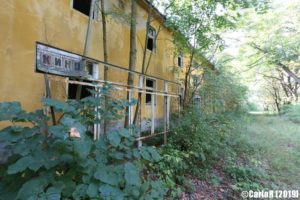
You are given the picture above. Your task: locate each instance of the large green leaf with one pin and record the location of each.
(9, 110)
(156, 157)
(53, 193)
(110, 193)
(131, 174)
(107, 175)
(58, 105)
(20, 165)
(92, 190)
(69, 123)
(82, 148)
(114, 139)
(80, 192)
(32, 188)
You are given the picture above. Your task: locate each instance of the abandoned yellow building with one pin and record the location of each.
(40, 37)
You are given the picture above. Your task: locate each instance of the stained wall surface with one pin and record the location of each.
(56, 23)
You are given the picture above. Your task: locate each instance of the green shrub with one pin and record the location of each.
(202, 137)
(245, 178)
(173, 168)
(46, 162)
(292, 112)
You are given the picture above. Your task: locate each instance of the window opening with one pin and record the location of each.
(180, 60)
(84, 7)
(85, 90)
(151, 36)
(150, 87)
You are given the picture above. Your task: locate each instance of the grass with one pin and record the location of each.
(277, 143)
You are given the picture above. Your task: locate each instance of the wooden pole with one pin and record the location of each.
(48, 95)
(86, 44)
(141, 86)
(166, 110)
(152, 113)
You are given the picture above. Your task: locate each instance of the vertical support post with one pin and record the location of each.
(141, 87)
(86, 43)
(97, 126)
(179, 100)
(166, 110)
(168, 113)
(48, 95)
(130, 109)
(152, 113)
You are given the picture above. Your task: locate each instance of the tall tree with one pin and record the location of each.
(197, 25)
(105, 53)
(132, 53)
(273, 48)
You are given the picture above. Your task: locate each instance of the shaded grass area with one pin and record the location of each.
(277, 143)
(263, 155)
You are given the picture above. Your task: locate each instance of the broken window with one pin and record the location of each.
(84, 7)
(196, 80)
(85, 90)
(150, 87)
(151, 37)
(91, 70)
(181, 95)
(180, 60)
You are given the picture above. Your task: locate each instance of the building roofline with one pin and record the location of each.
(146, 3)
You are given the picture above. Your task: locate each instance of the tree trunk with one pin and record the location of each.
(139, 104)
(290, 73)
(186, 77)
(132, 54)
(105, 55)
(104, 38)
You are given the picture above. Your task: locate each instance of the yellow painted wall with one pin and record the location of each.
(55, 22)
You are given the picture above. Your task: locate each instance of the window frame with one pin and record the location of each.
(196, 80)
(95, 75)
(149, 89)
(180, 63)
(153, 37)
(95, 14)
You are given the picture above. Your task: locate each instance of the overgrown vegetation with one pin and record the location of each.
(208, 136)
(63, 162)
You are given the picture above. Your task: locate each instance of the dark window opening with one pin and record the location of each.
(82, 6)
(181, 95)
(180, 61)
(150, 44)
(149, 83)
(84, 91)
(150, 86)
(148, 98)
(90, 68)
(151, 36)
(196, 80)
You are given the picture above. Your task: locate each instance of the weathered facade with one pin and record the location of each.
(63, 24)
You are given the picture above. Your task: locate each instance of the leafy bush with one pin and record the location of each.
(201, 136)
(63, 162)
(245, 178)
(172, 168)
(292, 112)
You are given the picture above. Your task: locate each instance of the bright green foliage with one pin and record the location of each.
(221, 92)
(202, 136)
(292, 112)
(46, 163)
